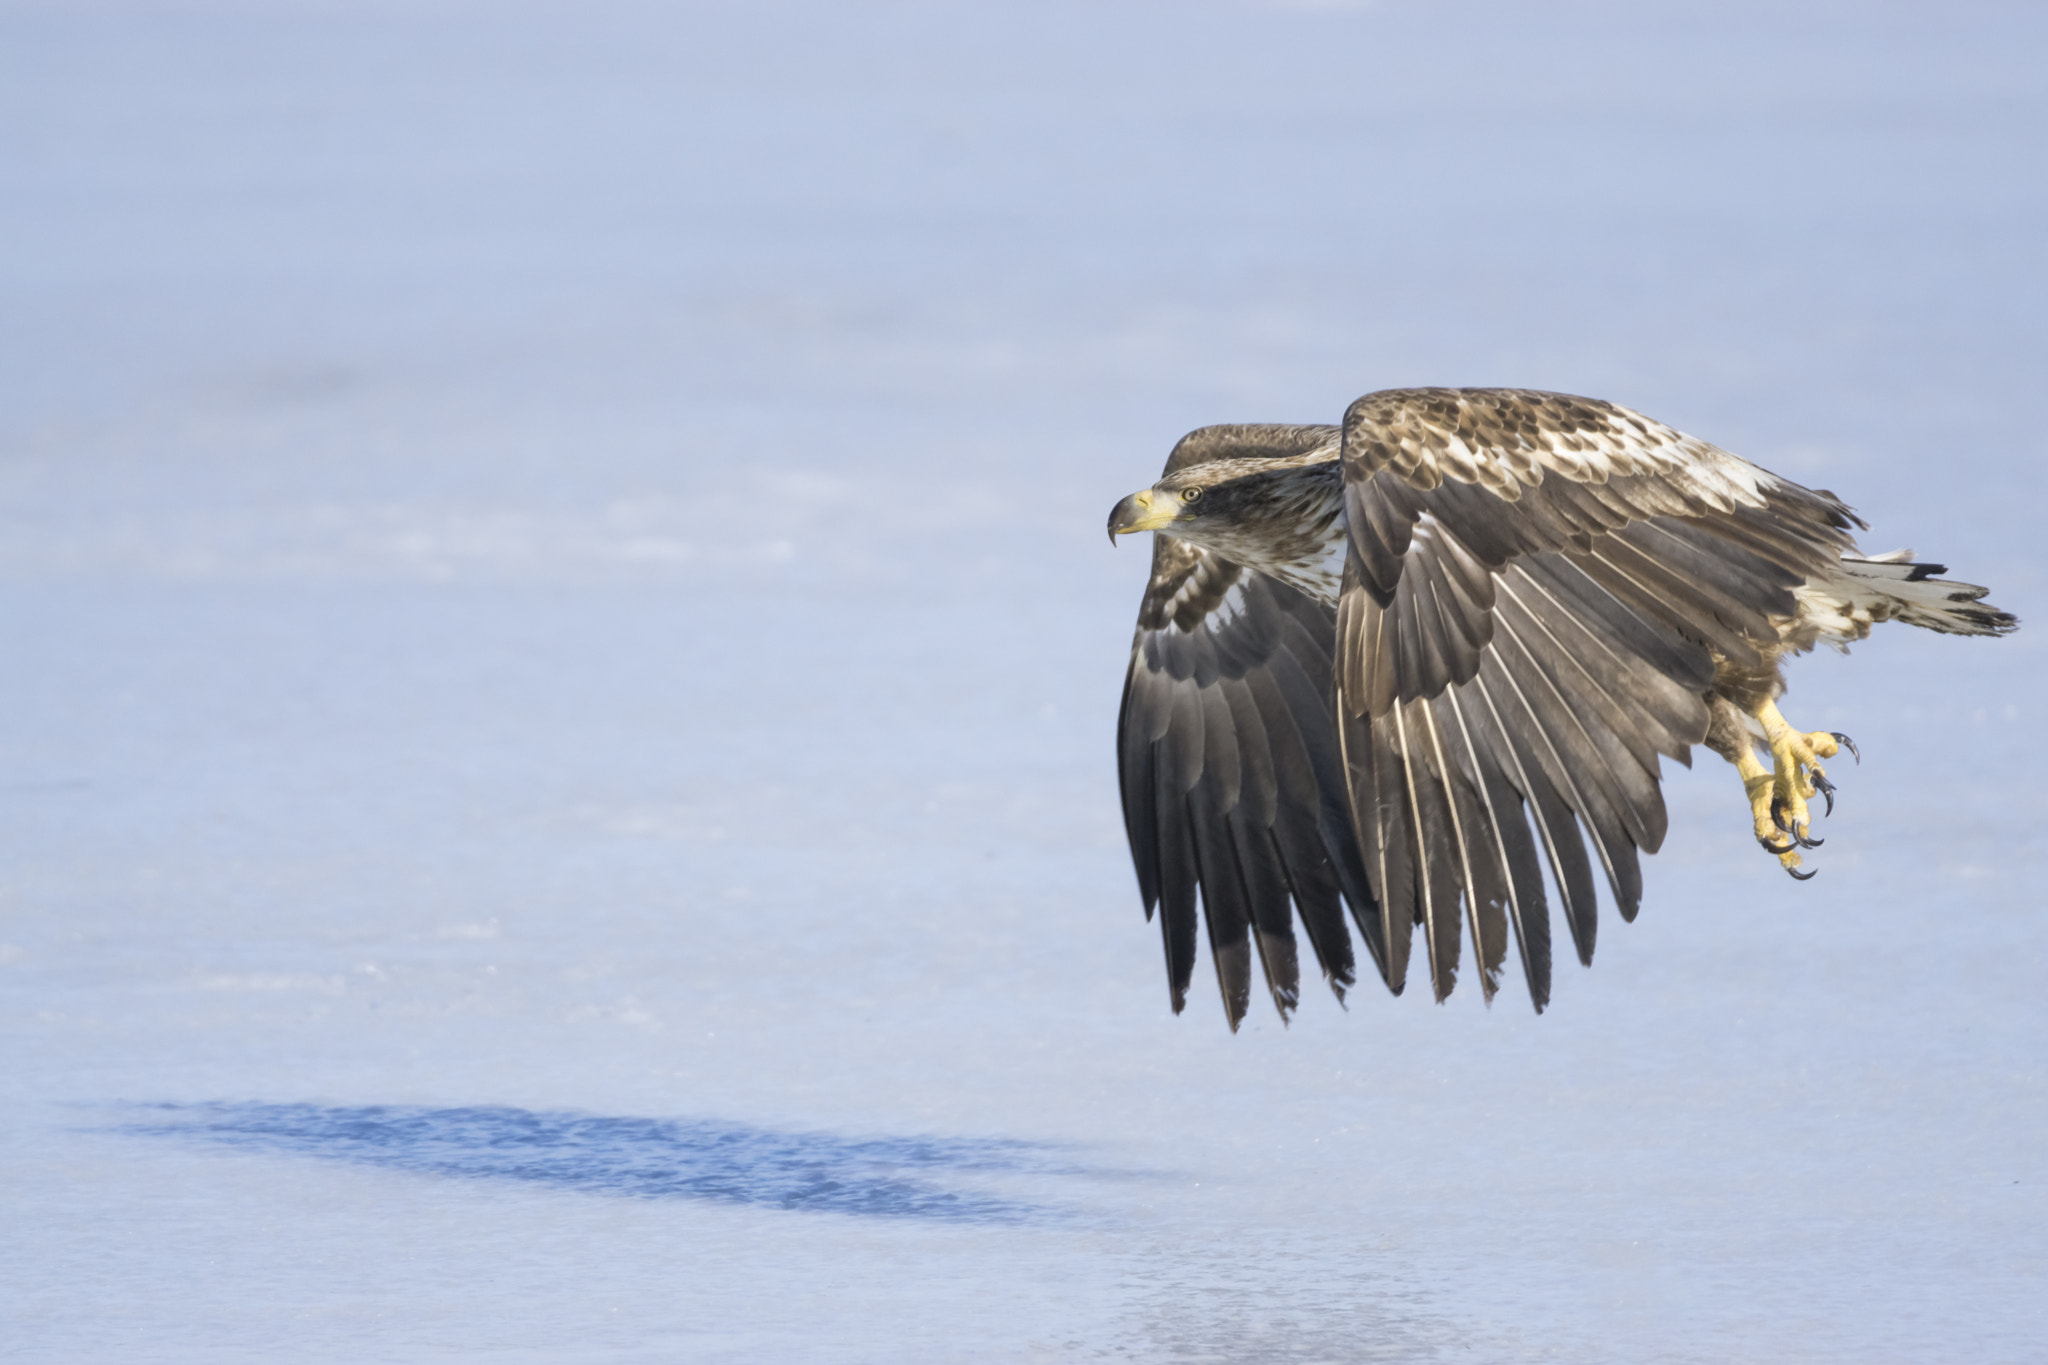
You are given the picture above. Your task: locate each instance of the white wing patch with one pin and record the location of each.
(1320, 575)
(1228, 609)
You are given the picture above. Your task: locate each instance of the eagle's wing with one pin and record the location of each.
(1228, 759)
(1536, 590)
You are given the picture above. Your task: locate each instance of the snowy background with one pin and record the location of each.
(555, 739)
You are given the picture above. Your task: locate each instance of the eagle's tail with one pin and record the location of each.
(1891, 587)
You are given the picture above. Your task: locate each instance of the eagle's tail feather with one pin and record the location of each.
(1893, 587)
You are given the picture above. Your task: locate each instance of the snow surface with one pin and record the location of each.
(561, 663)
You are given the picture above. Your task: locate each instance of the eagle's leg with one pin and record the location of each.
(1730, 735)
(1760, 785)
(1796, 778)
(1778, 794)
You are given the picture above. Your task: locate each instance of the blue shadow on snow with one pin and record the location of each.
(726, 1163)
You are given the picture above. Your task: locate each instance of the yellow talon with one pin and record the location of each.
(1795, 757)
(1778, 797)
(1778, 794)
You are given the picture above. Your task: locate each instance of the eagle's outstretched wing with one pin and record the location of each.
(1229, 763)
(1536, 590)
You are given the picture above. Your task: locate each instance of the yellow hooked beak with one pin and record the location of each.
(1138, 512)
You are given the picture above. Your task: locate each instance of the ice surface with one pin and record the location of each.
(561, 666)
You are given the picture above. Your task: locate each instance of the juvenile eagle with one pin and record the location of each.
(1410, 663)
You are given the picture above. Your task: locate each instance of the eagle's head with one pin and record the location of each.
(1238, 507)
(1198, 502)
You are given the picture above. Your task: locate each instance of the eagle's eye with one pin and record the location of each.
(1190, 494)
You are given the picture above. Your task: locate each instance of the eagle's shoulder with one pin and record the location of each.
(1509, 440)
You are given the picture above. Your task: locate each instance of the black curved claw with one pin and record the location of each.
(1780, 850)
(1846, 743)
(1827, 789)
(1804, 842)
(1796, 875)
(1778, 814)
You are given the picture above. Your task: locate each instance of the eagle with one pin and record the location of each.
(1420, 662)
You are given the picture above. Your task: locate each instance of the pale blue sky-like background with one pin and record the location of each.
(555, 746)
